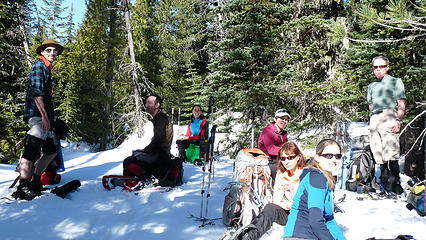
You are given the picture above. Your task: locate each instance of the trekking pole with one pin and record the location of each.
(202, 188)
(252, 126)
(265, 116)
(210, 155)
(173, 112)
(179, 116)
(208, 185)
(211, 167)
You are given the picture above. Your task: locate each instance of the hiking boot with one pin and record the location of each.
(393, 184)
(244, 233)
(26, 191)
(36, 184)
(198, 162)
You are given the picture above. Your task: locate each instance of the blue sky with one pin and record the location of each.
(79, 9)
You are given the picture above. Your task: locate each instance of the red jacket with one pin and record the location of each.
(270, 140)
(196, 129)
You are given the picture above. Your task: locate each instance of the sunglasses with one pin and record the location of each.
(288, 158)
(330, 156)
(50, 50)
(380, 66)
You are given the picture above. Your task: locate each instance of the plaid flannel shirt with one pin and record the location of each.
(40, 84)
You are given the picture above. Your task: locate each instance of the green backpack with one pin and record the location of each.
(192, 152)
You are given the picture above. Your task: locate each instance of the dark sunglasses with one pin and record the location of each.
(50, 50)
(381, 66)
(288, 158)
(330, 156)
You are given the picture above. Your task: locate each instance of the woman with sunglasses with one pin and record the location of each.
(290, 165)
(311, 215)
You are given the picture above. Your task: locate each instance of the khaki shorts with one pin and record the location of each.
(383, 142)
(37, 130)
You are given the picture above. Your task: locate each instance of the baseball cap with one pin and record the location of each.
(282, 112)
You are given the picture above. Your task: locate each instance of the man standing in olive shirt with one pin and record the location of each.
(386, 102)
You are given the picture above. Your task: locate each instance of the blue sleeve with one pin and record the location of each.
(316, 205)
(335, 230)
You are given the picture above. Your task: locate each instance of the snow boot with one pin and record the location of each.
(393, 183)
(182, 146)
(384, 176)
(37, 184)
(26, 190)
(243, 233)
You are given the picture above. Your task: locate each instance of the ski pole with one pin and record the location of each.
(202, 188)
(252, 127)
(209, 155)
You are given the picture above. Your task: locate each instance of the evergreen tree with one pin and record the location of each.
(172, 36)
(393, 29)
(13, 75)
(244, 64)
(52, 18)
(89, 80)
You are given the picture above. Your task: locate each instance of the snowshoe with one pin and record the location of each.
(112, 181)
(127, 183)
(26, 191)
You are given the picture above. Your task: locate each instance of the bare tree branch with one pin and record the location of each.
(390, 40)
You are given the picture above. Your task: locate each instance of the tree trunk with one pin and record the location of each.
(24, 36)
(138, 118)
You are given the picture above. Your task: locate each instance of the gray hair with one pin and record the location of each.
(380, 57)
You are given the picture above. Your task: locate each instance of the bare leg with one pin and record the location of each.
(42, 163)
(25, 168)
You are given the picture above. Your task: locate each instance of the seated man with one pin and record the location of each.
(155, 159)
(273, 137)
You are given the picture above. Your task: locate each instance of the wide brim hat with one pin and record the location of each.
(281, 113)
(50, 42)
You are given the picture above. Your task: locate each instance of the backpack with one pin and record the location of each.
(361, 171)
(416, 197)
(174, 175)
(250, 189)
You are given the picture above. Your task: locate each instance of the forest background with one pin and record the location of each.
(312, 57)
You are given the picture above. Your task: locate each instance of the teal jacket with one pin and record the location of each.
(311, 214)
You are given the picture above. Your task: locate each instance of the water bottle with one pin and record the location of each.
(377, 173)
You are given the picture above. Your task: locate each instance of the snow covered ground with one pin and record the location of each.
(95, 213)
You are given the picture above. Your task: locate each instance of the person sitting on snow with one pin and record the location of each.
(273, 137)
(189, 143)
(290, 166)
(311, 215)
(155, 159)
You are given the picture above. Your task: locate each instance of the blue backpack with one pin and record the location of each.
(416, 197)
